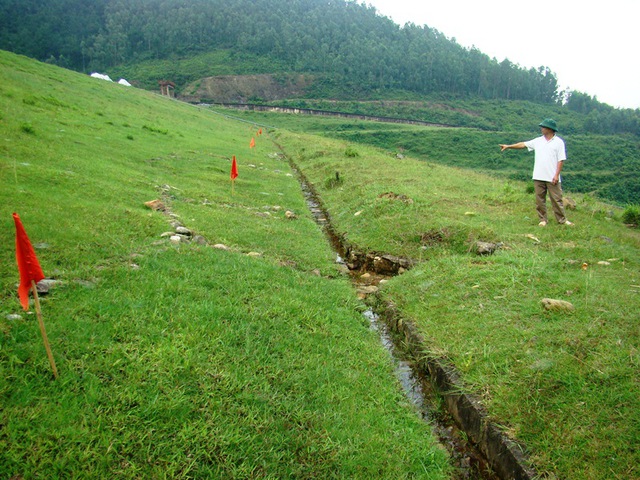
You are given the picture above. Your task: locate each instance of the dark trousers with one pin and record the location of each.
(555, 195)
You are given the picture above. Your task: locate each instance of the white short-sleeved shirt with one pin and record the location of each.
(548, 153)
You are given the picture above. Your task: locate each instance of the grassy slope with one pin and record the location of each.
(565, 384)
(178, 361)
(604, 166)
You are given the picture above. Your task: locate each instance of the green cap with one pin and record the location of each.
(549, 123)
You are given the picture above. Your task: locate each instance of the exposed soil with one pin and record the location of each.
(246, 88)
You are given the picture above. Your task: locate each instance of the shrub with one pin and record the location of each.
(350, 152)
(333, 181)
(631, 215)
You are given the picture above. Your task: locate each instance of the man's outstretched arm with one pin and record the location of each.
(513, 145)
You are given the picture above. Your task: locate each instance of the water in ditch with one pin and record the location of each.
(468, 463)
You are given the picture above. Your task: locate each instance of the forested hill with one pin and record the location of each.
(348, 48)
(346, 40)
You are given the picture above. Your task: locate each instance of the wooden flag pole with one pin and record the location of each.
(42, 329)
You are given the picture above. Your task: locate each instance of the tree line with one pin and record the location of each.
(346, 42)
(603, 118)
(340, 37)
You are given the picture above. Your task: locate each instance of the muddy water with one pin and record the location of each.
(468, 463)
(411, 386)
(466, 460)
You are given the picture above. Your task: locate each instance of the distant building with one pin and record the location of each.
(167, 88)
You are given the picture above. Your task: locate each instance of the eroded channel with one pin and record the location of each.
(367, 273)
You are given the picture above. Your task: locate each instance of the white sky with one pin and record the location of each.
(591, 47)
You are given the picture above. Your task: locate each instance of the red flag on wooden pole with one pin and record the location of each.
(234, 168)
(28, 264)
(252, 143)
(30, 274)
(234, 174)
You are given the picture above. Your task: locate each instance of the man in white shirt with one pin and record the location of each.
(549, 154)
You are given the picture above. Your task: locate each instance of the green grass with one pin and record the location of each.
(600, 165)
(189, 361)
(179, 361)
(566, 384)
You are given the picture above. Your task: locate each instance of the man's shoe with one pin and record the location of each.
(542, 224)
(568, 223)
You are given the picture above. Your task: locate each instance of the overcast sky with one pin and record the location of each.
(591, 47)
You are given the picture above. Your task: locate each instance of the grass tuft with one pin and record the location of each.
(27, 128)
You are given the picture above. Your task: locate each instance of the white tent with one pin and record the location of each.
(101, 76)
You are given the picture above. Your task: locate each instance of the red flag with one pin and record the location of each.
(234, 168)
(28, 264)
(252, 143)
